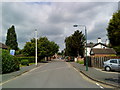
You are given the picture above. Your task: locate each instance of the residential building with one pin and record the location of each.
(99, 49)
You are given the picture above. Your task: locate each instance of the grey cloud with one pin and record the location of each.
(51, 19)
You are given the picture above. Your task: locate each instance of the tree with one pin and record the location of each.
(75, 44)
(11, 39)
(45, 48)
(114, 31)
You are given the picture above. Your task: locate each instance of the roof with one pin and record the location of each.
(3, 46)
(103, 51)
(101, 44)
(90, 44)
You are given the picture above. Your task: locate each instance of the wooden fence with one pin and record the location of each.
(98, 61)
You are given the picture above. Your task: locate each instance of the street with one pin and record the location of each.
(56, 74)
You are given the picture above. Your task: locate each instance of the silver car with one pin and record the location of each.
(112, 64)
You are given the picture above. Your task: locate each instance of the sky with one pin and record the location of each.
(55, 20)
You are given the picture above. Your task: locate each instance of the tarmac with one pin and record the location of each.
(8, 76)
(99, 75)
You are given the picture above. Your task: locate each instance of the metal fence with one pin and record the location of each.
(98, 61)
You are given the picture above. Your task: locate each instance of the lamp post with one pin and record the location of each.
(36, 47)
(85, 43)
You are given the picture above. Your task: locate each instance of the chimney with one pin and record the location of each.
(99, 40)
(107, 42)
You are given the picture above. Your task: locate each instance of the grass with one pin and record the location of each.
(80, 62)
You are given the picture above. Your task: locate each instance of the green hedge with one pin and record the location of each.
(30, 59)
(9, 63)
(25, 62)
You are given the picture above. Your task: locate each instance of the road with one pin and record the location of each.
(56, 74)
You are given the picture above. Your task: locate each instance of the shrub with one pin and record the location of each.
(80, 62)
(9, 63)
(30, 59)
(25, 62)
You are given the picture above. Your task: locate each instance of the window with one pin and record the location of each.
(113, 61)
(119, 61)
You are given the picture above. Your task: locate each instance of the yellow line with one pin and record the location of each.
(22, 74)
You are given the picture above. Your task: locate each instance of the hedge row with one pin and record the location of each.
(30, 59)
(9, 63)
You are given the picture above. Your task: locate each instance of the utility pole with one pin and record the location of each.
(36, 47)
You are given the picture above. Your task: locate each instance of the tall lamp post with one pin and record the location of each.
(36, 47)
(85, 43)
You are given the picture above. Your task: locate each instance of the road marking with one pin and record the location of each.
(99, 86)
(22, 74)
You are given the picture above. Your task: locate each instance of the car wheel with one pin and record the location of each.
(107, 68)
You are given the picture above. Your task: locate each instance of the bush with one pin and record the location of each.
(30, 59)
(80, 62)
(9, 63)
(25, 62)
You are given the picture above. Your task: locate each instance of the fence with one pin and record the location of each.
(98, 61)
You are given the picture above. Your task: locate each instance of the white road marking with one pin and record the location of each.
(99, 86)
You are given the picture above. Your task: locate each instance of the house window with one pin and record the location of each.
(113, 61)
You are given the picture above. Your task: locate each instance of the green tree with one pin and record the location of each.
(11, 39)
(45, 48)
(114, 31)
(75, 44)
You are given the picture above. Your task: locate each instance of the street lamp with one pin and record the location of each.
(36, 47)
(85, 43)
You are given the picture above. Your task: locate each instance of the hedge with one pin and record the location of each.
(30, 59)
(25, 62)
(9, 63)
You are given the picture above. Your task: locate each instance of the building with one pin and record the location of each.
(102, 52)
(3, 46)
(99, 49)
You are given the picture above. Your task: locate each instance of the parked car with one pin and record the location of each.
(112, 64)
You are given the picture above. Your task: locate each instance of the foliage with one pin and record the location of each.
(11, 39)
(75, 44)
(114, 31)
(25, 62)
(30, 59)
(45, 48)
(9, 63)
(80, 62)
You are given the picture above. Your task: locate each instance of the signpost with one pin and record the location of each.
(12, 52)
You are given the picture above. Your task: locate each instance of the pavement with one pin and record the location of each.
(8, 76)
(99, 75)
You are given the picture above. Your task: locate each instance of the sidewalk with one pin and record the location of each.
(6, 77)
(109, 78)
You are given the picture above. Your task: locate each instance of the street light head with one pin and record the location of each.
(75, 25)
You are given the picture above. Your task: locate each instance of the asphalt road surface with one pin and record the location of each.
(56, 74)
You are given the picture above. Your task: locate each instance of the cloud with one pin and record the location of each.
(55, 19)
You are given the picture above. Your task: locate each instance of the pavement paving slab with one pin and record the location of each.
(112, 78)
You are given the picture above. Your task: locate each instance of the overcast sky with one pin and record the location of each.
(55, 20)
